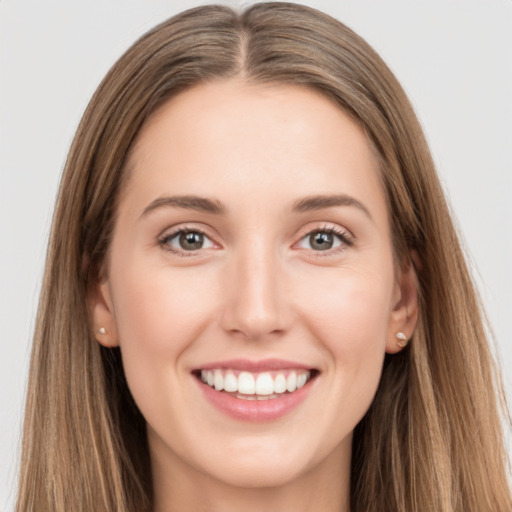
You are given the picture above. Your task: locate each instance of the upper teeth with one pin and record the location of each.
(247, 383)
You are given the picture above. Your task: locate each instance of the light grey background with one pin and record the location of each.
(453, 57)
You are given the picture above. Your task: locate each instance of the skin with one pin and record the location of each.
(258, 288)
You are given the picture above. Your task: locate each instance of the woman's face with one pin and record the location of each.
(252, 250)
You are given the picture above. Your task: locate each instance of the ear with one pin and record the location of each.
(102, 314)
(404, 314)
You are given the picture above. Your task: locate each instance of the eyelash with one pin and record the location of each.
(344, 237)
(164, 241)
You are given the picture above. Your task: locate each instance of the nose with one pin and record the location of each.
(255, 300)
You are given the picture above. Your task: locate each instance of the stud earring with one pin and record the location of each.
(401, 339)
(102, 330)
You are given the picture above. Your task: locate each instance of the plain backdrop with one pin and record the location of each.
(453, 57)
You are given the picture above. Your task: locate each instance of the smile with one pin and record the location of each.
(255, 391)
(255, 386)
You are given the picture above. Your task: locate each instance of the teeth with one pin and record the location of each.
(246, 384)
(291, 382)
(249, 386)
(264, 384)
(230, 382)
(218, 380)
(257, 397)
(301, 380)
(280, 383)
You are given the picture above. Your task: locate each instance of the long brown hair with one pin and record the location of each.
(432, 439)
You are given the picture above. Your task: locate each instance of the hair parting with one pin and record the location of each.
(432, 439)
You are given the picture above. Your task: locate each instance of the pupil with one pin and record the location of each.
(191, 241)
(321, 241)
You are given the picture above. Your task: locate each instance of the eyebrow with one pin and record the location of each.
(319, 202)
(199, 204)
(206, 205)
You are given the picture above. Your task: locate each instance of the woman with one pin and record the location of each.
(254, 294)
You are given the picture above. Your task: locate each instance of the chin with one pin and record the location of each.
(258, 475)
(271, 463)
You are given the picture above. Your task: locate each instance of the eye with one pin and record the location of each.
(325, 240)
(186, 240)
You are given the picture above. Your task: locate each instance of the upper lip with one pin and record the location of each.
(255, 366)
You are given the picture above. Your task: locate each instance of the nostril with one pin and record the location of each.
(255, 306)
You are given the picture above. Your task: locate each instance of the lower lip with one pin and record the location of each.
(255, 410)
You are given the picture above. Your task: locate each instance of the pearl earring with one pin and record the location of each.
(401, 339)
(102, 330)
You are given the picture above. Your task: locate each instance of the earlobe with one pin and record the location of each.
(102, 315)
(404, 314)
(401, 339)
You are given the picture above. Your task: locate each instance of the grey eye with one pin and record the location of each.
(191, 241)
(321, 240)
(187, 241)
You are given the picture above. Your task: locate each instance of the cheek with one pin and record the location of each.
(160, 310)
(350, 321)
(350, 311)
(158, 316)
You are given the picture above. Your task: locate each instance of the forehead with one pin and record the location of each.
(231, 135)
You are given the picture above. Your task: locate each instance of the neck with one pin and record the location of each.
(178, 487)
